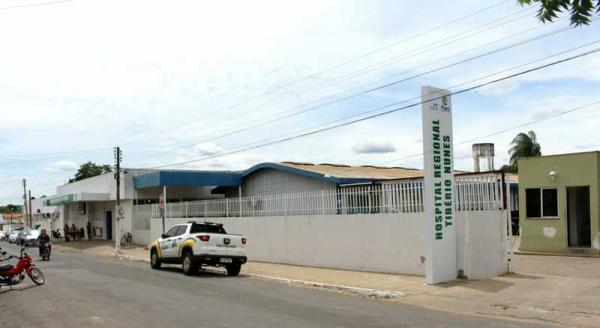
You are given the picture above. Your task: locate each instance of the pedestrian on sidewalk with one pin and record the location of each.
(66, 230)
(89, 230)
(74, 231)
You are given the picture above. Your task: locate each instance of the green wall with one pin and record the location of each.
(580, 169)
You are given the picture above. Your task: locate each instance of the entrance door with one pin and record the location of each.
(108, 225)
(578, 216)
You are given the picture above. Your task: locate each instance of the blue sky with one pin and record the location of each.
(161, 79)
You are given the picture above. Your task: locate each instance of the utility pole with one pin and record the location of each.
(30, 211)
(118, 158)
(24, 221)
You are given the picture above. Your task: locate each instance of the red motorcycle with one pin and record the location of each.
(13, 275)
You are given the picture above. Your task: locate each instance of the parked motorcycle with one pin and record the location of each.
(45, 251)
(15, 274)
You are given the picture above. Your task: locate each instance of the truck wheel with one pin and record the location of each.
(154, 260)
(189, 265)
(233, 269)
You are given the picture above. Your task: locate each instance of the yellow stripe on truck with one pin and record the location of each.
(156, 245)
(190, 242)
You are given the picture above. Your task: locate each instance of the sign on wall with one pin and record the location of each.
(161, 205)
(120, 213)
(438, 160)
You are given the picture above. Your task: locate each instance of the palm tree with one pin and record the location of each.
(524, 145)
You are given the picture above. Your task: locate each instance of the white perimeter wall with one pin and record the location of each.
(392, 243)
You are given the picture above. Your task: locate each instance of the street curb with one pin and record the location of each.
(582, 255)
(130, 258)
(368, 292)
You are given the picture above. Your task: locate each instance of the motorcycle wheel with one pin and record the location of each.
(37, 276)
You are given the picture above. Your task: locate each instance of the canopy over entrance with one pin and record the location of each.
(187, 178)
(76, 197)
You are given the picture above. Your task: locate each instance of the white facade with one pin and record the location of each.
(46, 217)
(93, 200)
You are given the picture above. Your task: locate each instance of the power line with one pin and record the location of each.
(454, 86)
(564, 112)
(448, 87)
(414, 52)
(38, 4)
(495, 51)
(310, 76)
(43, 156)
(220, 110)
(385, 112)
(440, 43)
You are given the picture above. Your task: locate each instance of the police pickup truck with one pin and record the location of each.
(194, 244)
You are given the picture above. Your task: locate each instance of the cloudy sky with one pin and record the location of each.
(173, 81)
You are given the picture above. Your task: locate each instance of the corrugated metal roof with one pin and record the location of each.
(361, 172)
(375, 172)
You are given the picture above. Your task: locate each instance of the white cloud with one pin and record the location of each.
(374, 146)
(62, 166)
(544, 114)
(500, 88)
(207, 148)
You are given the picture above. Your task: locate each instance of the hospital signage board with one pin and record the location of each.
(438, 196)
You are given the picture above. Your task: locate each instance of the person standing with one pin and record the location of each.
(89, 230)
(74, 231)
(66, 230)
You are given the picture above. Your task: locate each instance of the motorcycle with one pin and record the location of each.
(45, 251)
(15, 274)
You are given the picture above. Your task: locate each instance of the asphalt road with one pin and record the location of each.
(83, 291)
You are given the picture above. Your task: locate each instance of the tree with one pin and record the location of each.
(581, 11)
(90, 169)
(9, 208)
(523, 145)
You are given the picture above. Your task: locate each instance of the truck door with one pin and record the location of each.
(167, 244)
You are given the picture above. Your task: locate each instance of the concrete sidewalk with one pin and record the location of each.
(553, 290)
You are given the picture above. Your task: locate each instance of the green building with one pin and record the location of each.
(560, 200)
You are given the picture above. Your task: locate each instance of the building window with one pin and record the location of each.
(82, 208)
(549, 203)
(541, 202)
(533, 205)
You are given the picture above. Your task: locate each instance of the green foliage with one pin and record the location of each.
(523, 145)
(90, 169)
(510, 168)
(581, 11)
(9, 208)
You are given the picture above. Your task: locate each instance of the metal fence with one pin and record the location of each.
(472, 193)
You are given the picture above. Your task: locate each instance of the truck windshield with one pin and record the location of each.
(208, 228)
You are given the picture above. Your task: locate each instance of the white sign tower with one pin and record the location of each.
(438, 197)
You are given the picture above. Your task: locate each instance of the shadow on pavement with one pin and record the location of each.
(202, 273)
(523, 276)
(488, 285)
(16, 288)
(84, 244)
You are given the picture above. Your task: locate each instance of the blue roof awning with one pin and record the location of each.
(187, 178)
